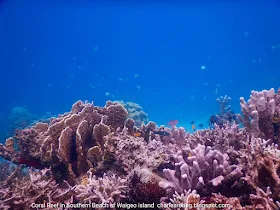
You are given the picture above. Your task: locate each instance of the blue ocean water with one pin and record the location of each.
(172, 58)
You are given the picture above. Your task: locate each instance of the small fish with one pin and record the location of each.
(137, 134)
(162, 133)
(201, 125)
(173, 123)
(192, 122)
(193, 127)
(190, 155)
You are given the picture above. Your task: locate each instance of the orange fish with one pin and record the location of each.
(193, 127)
(137, 134)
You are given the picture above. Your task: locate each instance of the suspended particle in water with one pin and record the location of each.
(203, 67)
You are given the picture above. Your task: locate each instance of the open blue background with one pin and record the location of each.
(54, 53)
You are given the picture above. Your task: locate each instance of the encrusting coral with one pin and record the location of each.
(100, 155)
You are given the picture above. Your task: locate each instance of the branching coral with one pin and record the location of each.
(221, 139)
(37, 187)
(105, 190)
(263, 177)
(224, 104)
(201, 169)
(261, 114)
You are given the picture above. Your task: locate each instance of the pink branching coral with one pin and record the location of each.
(103, 190)
(37, 187)
(221, 139)
(261, 114)
(200, 169)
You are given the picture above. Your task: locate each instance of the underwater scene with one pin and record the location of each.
(171, 105)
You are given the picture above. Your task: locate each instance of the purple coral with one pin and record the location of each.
(261, 114)
(198, 169)
(133, 151)
(92, 151)
(103, 190)
(38, 187)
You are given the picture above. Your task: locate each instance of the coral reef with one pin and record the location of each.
(99, 155)
(135, 112)
(38, 187)
(110, 189)
(261, 114)
(19, 118)
(224, 104)
(132, 152)
(226, 114)
(200, 169)
(66, 141)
